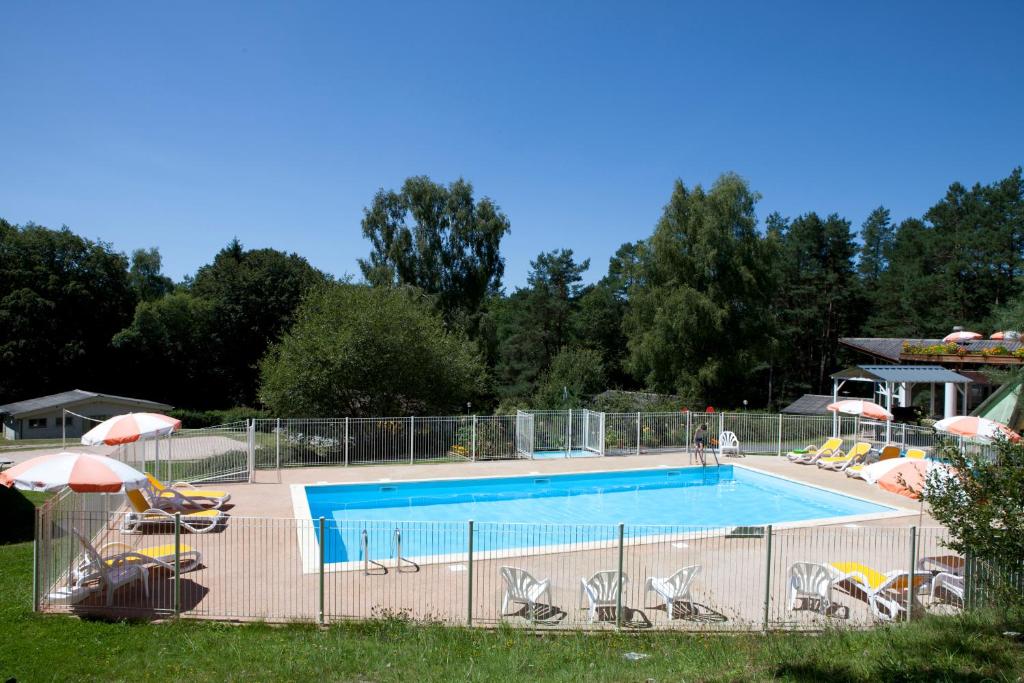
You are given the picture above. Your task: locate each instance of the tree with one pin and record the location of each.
(818, 298)
(904, 303)
(981, 504)
(575, 374)
(877, 235)
(145, 277)
(695, 323)
(167, 348)
(362, 351)
(254, 295)
(536, 322)
(62, 297)
(439, 239)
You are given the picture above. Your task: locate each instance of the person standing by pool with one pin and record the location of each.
(699, 437)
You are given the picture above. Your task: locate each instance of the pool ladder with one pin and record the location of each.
(379, 569)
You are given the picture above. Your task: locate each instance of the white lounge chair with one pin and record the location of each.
(809, 580)
(945, 583)
(521, 587)
(860, 451)
(182, 494)
(109, 575)
(196, 521)
(728, 444)
(602, 590)
(673, 589)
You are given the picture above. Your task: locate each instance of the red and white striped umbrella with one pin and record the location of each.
(979, 428)
(83, 472)
(961, 336)
(868, 409)
(130, 427)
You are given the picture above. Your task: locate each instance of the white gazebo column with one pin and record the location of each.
(835, 415)
(888, 401)
(950, 404)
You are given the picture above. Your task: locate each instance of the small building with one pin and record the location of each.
(40, 418)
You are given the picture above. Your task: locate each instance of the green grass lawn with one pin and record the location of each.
(59, 648)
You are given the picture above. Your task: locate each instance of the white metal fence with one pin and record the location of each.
(283, 569)
(234, 452)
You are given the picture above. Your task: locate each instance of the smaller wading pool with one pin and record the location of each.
(543, 513)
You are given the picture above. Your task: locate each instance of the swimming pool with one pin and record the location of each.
(559, 510)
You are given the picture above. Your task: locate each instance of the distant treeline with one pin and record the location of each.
(712, 306)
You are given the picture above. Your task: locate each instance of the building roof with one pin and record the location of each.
(66, 398)
(890, 348)
(809, 404)
(902, 373)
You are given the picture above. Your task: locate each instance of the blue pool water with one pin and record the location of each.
(536, 510)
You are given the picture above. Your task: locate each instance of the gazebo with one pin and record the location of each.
(894, 385)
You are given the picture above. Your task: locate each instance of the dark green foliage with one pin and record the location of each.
(195, 419)
(818, 300)
(574, 377)
(534, 323)
(370, 351)
(982, 506)
(877, 236)
(62, 298)
(145, 276)
(440, 240)
(695, 322)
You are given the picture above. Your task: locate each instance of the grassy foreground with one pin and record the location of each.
(57, 648)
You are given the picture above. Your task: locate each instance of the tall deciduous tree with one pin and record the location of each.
(62, 298)
(439, 239)
(362, 351)
(145, 276)
(695, 323)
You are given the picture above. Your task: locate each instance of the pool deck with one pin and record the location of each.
(253, 567)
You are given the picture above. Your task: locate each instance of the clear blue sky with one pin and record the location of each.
(181, 125)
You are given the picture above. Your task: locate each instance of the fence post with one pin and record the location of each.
(64, 428)
(177, 564)
(323, 542)
(687, 438)
(346, 442)
(638, 431)
(469, 570)
(252, 450)
(36, 526)
(767, 574)
(779, 451)
(969, 593)
(618, 590)
(412, 437)
(473, 448)
(721, 424)
(277, 448)
(910, 571)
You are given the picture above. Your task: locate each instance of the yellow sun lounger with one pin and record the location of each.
(196, 521)
(887, 593)
(183, 494)
(888, 453)
(118, 553)
(841, 462)
(811, 453)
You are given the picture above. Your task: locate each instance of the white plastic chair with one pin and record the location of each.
(602, 590)
(111, 575)
(728, 444)
(673, 589)
(810, 580)
(521, 587)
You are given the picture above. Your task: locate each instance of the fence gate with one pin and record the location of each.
(524, 434)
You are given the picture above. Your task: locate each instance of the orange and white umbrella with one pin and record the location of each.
(979, 428)
(910, 477)
(961, 336)
(129, 428)
(999, 336)
(83, 472)
(868, 409)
